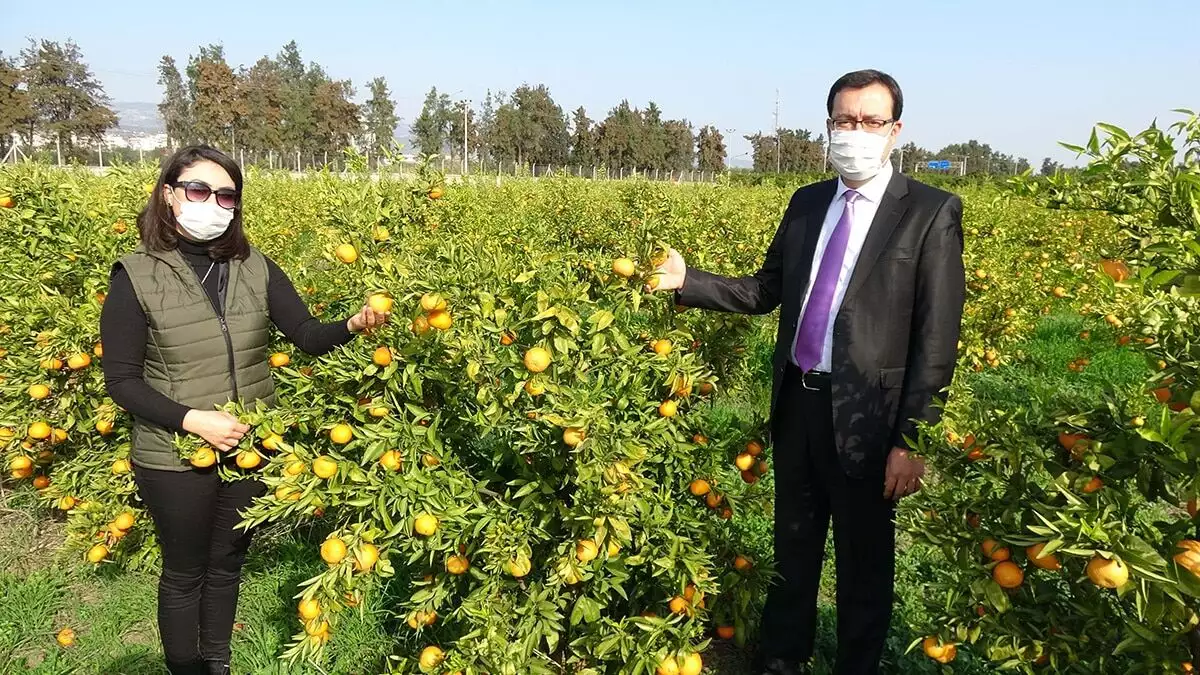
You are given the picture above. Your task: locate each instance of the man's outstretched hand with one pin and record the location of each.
(668, 276)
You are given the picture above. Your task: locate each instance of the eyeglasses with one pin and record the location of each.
(870, 124)
(199, 191)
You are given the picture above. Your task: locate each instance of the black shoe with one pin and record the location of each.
(217, 668)
(782, 667)
(193, 668)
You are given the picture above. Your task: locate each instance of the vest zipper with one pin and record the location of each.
(219, 310)
(229, 348)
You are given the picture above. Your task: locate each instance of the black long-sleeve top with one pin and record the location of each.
(123, 333)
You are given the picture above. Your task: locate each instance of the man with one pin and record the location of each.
(868, 271)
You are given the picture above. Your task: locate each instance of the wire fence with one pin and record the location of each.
(300, 162)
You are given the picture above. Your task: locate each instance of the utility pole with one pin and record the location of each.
(726, 159)
(466, 107)
(778, 145)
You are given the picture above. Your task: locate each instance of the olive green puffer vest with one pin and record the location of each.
(193, 355)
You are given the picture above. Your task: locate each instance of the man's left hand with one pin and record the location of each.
(904, 473)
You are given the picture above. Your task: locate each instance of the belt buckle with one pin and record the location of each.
(804, 381)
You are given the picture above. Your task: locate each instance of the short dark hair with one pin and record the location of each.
(865, 78)
(156, 223)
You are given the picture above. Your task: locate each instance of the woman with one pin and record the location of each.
(185, 329)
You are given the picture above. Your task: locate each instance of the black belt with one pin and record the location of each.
(813, 380)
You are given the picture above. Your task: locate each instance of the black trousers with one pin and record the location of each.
(194, 516)
(810, 488)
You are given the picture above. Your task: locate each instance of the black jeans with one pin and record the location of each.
(194, 516)
(810, 488)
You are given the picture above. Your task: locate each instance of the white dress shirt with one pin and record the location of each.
(865, 208)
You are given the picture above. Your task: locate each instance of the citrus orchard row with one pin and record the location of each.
(518, 442)
(1065, 499)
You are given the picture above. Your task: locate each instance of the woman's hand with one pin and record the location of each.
(220, 429)
(367, 319)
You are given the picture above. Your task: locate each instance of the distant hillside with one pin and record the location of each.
(138, 118)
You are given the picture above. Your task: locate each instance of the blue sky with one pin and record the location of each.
(1018, 74)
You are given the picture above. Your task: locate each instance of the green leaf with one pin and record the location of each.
(1052, 546)
(1165, 277)
(601, 320)
(1135, 550)
(996, 596)
(1114, 131)
(562, 345)
(608, 645)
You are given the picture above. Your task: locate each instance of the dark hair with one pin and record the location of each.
(156, 224)
(865, 78)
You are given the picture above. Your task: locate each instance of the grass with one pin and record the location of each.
(1040, 373)
(113, 615)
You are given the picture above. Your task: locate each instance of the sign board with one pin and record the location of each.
(942, 164)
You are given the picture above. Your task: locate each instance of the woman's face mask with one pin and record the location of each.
(202, 221)
(203, 200)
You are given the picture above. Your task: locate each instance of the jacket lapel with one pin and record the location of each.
(891, 211)
(806, 232)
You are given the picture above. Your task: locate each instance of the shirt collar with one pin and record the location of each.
(873, 189)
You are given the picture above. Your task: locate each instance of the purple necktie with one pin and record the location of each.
(810, 340)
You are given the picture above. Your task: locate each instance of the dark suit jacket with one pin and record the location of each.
(895, 339)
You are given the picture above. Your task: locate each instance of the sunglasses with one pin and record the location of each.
(198, 191)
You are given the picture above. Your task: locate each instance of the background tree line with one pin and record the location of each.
(529, 127)
(280, 104)
(47, 92)
(980, 158)
(799, 151)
